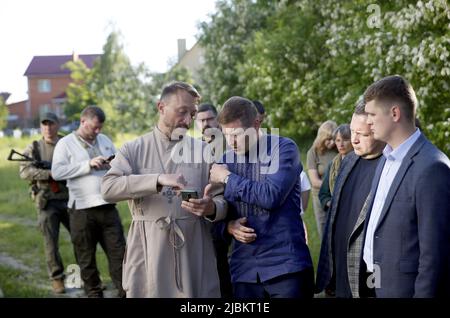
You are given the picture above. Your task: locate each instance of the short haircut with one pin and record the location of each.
(394, 90)
(360, 107)
(92, 111)
(174, 87)
(259, 107)
(418, 123)
(207, 107)
(343, 130)
(238, 108)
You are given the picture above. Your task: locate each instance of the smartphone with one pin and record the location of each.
(188, 194)
(110, 158)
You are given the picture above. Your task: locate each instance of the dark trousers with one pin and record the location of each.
(102, 225)
(223, 268)
(294, 285)
(49, 219)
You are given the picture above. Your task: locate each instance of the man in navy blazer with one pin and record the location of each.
(407, 233)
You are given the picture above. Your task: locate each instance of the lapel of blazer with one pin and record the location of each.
(406, 163)
(361, 216)
(344, 171)
(340, 181)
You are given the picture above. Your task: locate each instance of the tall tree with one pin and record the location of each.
(279, 63)
(223, 39)
(311, 61)
(116, 86)
(79, 91)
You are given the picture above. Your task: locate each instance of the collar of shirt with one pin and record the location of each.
(50, 142)
(86, 144)
(401, 151)
(166, 138)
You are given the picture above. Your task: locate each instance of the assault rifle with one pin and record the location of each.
(40, 164)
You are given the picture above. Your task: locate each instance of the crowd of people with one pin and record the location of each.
(221, 215)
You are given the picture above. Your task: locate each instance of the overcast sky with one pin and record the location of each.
(150, 29)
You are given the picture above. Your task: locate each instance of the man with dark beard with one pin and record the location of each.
(206, 119)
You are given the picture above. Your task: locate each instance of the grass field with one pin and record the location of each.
(22, 262)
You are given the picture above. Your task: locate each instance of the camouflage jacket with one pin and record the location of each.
(42, 185)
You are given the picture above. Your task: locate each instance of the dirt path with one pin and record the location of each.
(18, 220)
(14, 263)
(11, 262)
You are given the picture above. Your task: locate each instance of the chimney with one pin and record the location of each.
(181, 48)
(74, 56)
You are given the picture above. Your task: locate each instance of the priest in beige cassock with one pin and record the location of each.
(169, 247)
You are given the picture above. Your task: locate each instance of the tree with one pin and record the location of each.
(223, 39)
(311, 61)
(280, 62)
(114, 85)
(128, 94)
(79, 92)
(3, 113)
(410, 38)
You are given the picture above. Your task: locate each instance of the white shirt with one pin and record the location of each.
(305, 185)
(71, 162)
(393, 162)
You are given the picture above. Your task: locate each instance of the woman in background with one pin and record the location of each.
(318, 158)
(342, 140)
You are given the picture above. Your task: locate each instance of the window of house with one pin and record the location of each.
(44, 109)
(44, 86)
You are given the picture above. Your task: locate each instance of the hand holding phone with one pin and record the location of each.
(109, 159)
(187, 194)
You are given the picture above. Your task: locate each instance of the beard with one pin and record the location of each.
(178, 132)
(171, 128)
(204, 129)
(182, 125)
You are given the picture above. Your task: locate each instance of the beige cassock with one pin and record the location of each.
(169, 250)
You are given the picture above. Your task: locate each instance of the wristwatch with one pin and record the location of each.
(225, 180)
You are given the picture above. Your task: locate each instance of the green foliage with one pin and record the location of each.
(413, 40)
(159, 80)
(21, 239)
(120, 89)
(116, 86)
(79, 94)
(223, 39)
(3, 113)
(278, 67)
(128, 94)
(311, 61)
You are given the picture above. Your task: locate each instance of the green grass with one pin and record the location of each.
(21, 239)
(313, 236)
(16, 283)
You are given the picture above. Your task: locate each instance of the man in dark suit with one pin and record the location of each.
(407, 233)
(340, 254)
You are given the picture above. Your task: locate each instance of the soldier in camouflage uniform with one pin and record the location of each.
(49, 196)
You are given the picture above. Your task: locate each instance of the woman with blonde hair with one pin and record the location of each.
(318, 158)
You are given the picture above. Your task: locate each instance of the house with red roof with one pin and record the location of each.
(47, 83)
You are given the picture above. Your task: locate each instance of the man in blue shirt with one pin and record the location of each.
(269, 257)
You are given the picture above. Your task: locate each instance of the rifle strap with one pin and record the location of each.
(36, 153)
